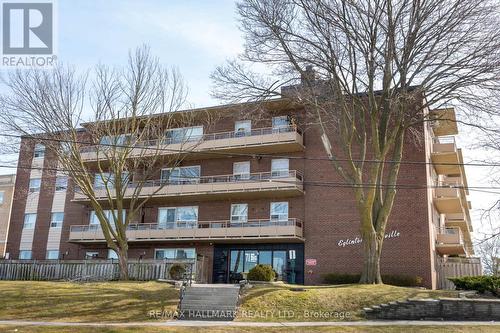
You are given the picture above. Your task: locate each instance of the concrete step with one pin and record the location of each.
(209, 302)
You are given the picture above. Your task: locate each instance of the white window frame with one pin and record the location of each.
(51, 252)
(31, 224)
(278, 171)
(112, 254)
(91, 254)
(187, 135)
(239, 218)
(28, 254)
(95, 223)
(33, 189)
(61, 187)
(275, 216)
(189, 224)
(166, 173)
(238, 175)
(242, 128)
(188, 250)
(56, 223)
(39, 150)
(280, 126)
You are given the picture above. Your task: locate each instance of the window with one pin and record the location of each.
(187, 253)
(243, 128)
(279, 168)
(112, 254)
(181, 175)
(281, 123)
(39, 151)
(2, 193)
(116, 140)
(279, 211)
(185, 134)
(29, 221)
(35, 185)
(56, 220)
(94, 220)
(91, 255)
(107, 180)
(178, 217)
(241, 170)
(61, 183)
(239, 213)
(52, 255)
(24, 255)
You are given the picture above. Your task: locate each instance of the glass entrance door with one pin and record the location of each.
(242, 261)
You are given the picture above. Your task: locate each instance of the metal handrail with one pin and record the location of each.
(253, 223)
(231, 178)
(444, 139)
(207, 137)
(452, 231)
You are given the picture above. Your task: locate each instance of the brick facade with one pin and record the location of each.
(329, 213)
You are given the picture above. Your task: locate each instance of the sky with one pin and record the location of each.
(194, 36)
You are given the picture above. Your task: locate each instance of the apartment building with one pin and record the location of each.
(6, 197)
(258, 203)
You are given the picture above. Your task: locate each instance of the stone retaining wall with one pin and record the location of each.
(443, 308)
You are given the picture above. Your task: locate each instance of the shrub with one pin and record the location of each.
(395, 280)
(177, 271)
(480, 284)
(335, 278)
(261, 273)
(402, 280)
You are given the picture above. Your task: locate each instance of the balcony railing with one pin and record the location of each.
(199, 139)
(263, 228)
(262, 181)
(450, 241)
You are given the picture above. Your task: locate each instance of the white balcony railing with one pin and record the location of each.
(203, 138)
(261, 228)
(262, 181)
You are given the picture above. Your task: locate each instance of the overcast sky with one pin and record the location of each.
(193, 35)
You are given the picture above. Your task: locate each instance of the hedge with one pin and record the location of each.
(392, 279)
(480, 284)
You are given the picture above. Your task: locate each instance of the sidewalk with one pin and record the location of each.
(189, 323)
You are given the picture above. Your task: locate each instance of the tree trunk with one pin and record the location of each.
(123, 263)
(371, 264)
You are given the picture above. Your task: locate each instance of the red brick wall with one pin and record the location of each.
(329, 213)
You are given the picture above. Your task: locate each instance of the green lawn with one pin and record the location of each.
(133, 301)
(84, 302)
(354, 329)
(342, 302)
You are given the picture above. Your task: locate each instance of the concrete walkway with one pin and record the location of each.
(184, 323)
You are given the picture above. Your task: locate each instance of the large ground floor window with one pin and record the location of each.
(232, 263)
(174, 253)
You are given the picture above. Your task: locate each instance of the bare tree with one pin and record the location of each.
(108, 133)
(489, 252)
(380, 66)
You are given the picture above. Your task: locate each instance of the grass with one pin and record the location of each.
(133, 301)
(334, 303)
(84, 302)
(353, 329)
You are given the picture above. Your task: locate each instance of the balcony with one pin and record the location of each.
(449, 241)
(444, 122)
(445, 156)
(254, 185)
(252, 230)
(261, 140)
(450, 200)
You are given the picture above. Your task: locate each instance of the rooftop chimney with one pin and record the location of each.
(308, 75)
